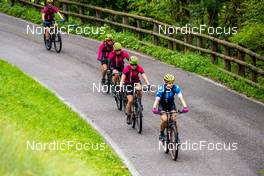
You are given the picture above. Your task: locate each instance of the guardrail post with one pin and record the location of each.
(110, 18)
(98, 15)
(81, 12)
(156, 30)
(227, 62)
(214, 59)
(125, 22)
(241, 68)
(65, 9)
(254, 74)
(140, 34)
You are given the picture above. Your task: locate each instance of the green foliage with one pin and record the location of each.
(36, 114)
(189, 61)
(252, 36)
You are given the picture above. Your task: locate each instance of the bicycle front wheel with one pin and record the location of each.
(174, 150)
(137, 122)
(47, 42)
(57, 42)
(118, 100)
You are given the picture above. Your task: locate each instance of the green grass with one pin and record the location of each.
(30, 112)
(189, 61)
(262, 172)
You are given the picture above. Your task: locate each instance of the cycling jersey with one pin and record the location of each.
(166, 95)
(49, 12)
(132, 76)
(104, 51)
(117, 61)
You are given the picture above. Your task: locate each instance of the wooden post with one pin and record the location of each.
(111, 18)
(214, 59)
(12, 3)
(125, 22)
(140, 34)
(155, 38)
(200, 42)
(227, 62)
(254, 74)
(81, 12)
(241, 68)
(187, 39)
(65, 9)
(98, 15)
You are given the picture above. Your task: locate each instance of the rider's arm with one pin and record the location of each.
(60, 15)
(180, 96)
(156, 102)
(144, 76)
(43, 16)
(182, 101)
(123, 77)
(100, 52)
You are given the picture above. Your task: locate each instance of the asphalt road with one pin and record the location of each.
(216, 115)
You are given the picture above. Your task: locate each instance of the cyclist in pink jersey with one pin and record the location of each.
(116, 60)
(131, 81)
(104, 49)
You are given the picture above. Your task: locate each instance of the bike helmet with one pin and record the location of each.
(49, 1)
(117, 46)
(109, 37)
(169, 78)
(133, 60)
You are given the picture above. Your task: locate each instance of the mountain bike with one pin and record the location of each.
(54, 37)
(136, 115)
(170, 141)
(108, 81)
(117, 93)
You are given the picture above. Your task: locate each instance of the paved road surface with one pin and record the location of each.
(216, 114)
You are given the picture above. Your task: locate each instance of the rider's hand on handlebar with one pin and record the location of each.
(155, 111)
(185, 110)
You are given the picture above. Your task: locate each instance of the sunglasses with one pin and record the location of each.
(118, 50)
(109, 40)
(133, 64)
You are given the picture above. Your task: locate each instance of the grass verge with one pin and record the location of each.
(189, 61)
(31, 113)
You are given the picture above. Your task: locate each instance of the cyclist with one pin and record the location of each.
(130, 78)
(165, 101)
(48, 14)
(104, 49)
(116, 60)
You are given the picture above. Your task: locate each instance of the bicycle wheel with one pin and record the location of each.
(138, 117)
(48, 42)
(124, 102)
(166, 141)
(57, 41)
(174, 151)
(118, 100)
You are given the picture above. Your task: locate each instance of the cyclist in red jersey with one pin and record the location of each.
(104, 49)
(48, 15)
(116, 60)
(130, 78)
